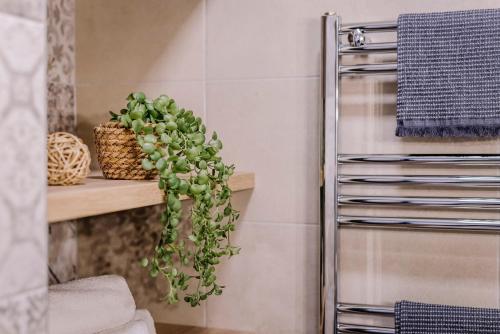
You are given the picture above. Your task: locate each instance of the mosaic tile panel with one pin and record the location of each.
(63, 245)
(23, 234)
(61, 41)
(24, 313)
(61, 107)
(61, 116)
(22, 171)
(31, 9)
(61, 111)
(115, 243)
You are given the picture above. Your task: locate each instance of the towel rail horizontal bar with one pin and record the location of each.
(386, 68)
(461, 181)
(445, 159)
(343, 328)
(347, 49)
(477, 225)
(365, 309)
(385, 26)
(437, 202)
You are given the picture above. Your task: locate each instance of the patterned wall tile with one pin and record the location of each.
(61, 113)
(63, 252)
(22, 171)
(61, 116)
(32, 9)
(115, 244)
(61, 41)
(24, 313)
(23, 234)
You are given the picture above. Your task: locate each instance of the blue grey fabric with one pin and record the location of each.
(420, 318)
(449, 74)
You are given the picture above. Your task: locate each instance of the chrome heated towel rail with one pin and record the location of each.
(332, 181)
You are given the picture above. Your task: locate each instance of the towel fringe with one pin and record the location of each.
(449, 131)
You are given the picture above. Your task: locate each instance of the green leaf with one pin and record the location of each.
(161, 164)
(166, 139)
(197, 189)
(155, 156)
(160, 128)
(146, 164)
(198, 138)
(148, 148)
(183, 187)
(137, 125)
(181, 165)
(171, 126)
(139, 96)
(150, 138)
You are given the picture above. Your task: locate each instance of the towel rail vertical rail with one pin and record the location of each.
(330, 198)
(328, 174)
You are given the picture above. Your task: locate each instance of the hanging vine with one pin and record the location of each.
(188, 164)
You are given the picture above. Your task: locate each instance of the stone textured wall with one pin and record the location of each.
(23, 234)
(61, 116)
(61, 65)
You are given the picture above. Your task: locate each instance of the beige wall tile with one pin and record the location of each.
(368, 123)
(272, 284)
(181, 313)
(261, 38)
(281, 38)
(139, 41)
(381, 10)
(381, 267)
(94, 102)
(271, 127)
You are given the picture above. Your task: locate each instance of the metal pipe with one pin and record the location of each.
(365, 309)
(387, 68)
(386, 26)
(444, 159)
(437, 202)
(328, 172)
(363, 329)
(420, 223)
(461, 181)
(347, 49)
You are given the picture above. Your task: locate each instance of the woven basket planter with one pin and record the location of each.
(118, 153)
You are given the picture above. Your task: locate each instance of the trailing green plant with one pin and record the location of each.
(188, 164)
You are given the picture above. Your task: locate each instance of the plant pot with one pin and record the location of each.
(118, 153)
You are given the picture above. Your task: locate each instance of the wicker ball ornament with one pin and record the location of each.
(68, 159)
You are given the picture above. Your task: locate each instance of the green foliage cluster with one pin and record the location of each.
(175, 143)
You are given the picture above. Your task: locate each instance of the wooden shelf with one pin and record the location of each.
(99, 196)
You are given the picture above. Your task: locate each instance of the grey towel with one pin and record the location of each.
(420, 318)
(449, 74)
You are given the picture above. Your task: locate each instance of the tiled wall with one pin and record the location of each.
(23, 235)
(252, 69)
(61, 116)
(158, 47)
(61, 65)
